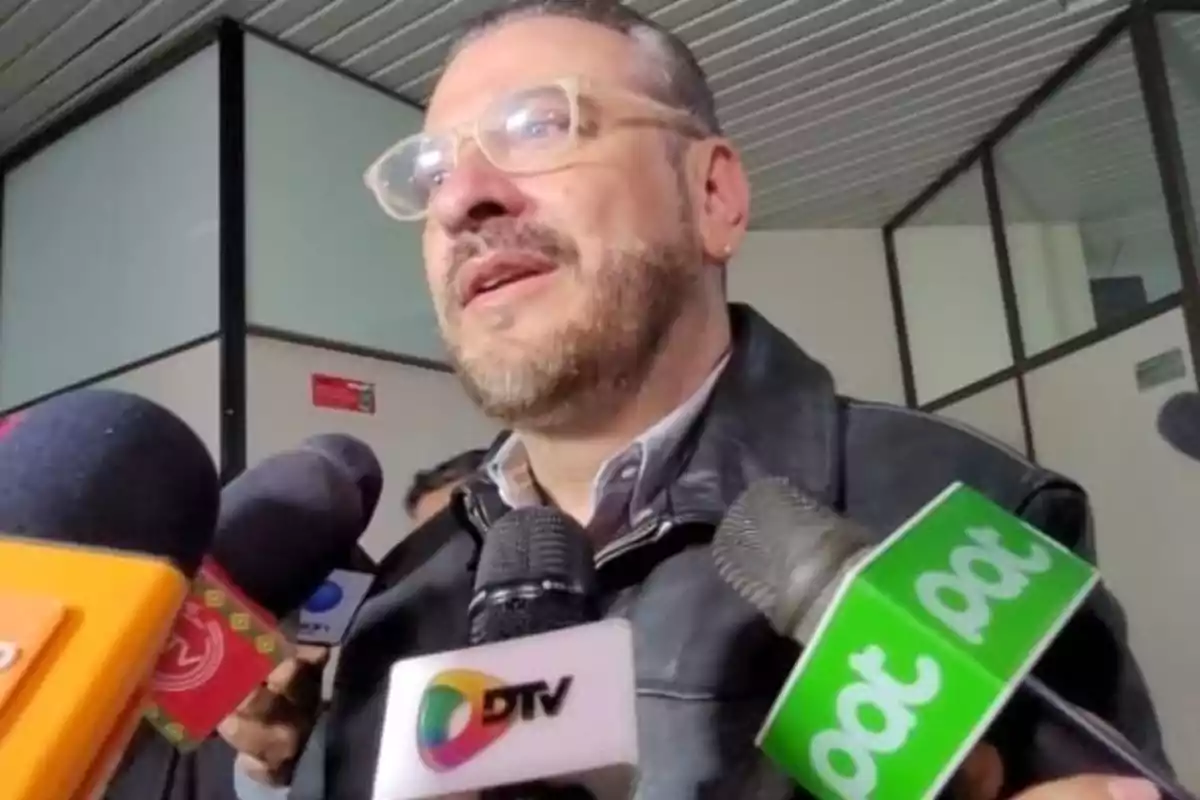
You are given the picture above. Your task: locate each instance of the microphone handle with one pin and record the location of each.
(536, 791)
(1099, 735)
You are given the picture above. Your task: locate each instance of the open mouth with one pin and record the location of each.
(493, 275)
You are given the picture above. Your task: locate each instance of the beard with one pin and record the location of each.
(588, 364)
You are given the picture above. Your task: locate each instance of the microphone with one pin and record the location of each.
(913, 646)
(107, 505)
(329, 612)
(283, 526)
(542, 705)
(1179, 423)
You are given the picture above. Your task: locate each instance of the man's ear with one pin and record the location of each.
(722, 193)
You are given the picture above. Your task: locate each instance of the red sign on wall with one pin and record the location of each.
(329, 391)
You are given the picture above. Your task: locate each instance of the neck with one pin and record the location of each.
(566, 462)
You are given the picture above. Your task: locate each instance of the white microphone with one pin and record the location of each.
(556, 708)
(541, 706)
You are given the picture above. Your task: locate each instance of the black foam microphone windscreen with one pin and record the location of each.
(112, 470)
(285, 524)
(536, 574)
(1179, 423)
(356, 458)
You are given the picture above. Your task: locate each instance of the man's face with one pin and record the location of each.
(608, 244)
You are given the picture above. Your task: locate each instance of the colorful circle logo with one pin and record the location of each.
(324, 599)
(449, 696)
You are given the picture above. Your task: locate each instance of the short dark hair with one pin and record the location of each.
(449, 472)
(680, 82)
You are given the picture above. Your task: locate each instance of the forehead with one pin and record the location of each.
(522, 53)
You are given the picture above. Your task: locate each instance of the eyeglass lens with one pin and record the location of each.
(522, 132)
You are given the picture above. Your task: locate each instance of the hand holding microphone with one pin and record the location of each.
(284, 525)
(1093, 787)
(270, 727)
(942, 621)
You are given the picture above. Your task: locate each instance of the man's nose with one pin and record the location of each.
(474, 192)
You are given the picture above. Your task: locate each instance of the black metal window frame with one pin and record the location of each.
(1139, 21)
(234, 328)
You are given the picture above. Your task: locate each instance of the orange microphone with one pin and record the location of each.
(108, 503)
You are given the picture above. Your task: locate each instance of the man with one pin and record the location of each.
(579, 209)
(431, 488)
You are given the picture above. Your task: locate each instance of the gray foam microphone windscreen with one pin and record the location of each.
(785, 552)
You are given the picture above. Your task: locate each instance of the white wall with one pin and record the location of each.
(187, 383)
(995, 411)
(828, 290)
(1092, 423)
(110, 238)
(422, 417)
(322, 258)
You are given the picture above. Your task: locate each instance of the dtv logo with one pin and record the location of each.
(523, 699)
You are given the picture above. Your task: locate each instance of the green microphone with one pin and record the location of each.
(912, 647)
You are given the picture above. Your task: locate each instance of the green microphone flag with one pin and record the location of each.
(921, 648)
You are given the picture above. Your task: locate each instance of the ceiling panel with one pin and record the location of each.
(844, 109)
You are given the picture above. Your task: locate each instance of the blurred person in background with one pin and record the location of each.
(430, 490)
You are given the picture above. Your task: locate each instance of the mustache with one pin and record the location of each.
(540, 240)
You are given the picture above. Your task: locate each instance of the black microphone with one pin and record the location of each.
(542, 704)
(284, 524)
(536, 574)
(332, 608)
(107, 506)
(294, 517)
(1179, 423)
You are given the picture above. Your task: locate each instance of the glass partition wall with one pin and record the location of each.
(1073, 220)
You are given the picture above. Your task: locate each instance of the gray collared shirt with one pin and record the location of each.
(626, 483)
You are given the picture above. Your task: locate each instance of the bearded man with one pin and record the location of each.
(580, 207)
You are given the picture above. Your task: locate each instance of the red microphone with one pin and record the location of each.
(284, 526)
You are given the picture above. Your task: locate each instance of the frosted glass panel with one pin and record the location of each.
(1086, 223)
(324, 261)
(110, 238)
(950, 283)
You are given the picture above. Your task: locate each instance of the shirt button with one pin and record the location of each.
(629, 472)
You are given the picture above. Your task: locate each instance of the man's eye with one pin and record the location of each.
(539, 124)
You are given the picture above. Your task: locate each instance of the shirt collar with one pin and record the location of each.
(626, 484)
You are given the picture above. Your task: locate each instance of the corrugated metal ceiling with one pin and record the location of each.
(844, 108)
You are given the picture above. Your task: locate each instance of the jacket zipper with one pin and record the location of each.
(649, 531)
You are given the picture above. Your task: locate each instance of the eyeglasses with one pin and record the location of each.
(531, 130)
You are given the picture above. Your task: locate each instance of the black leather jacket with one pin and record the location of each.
(708, 666)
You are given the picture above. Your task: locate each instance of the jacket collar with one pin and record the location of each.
(772, 413)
